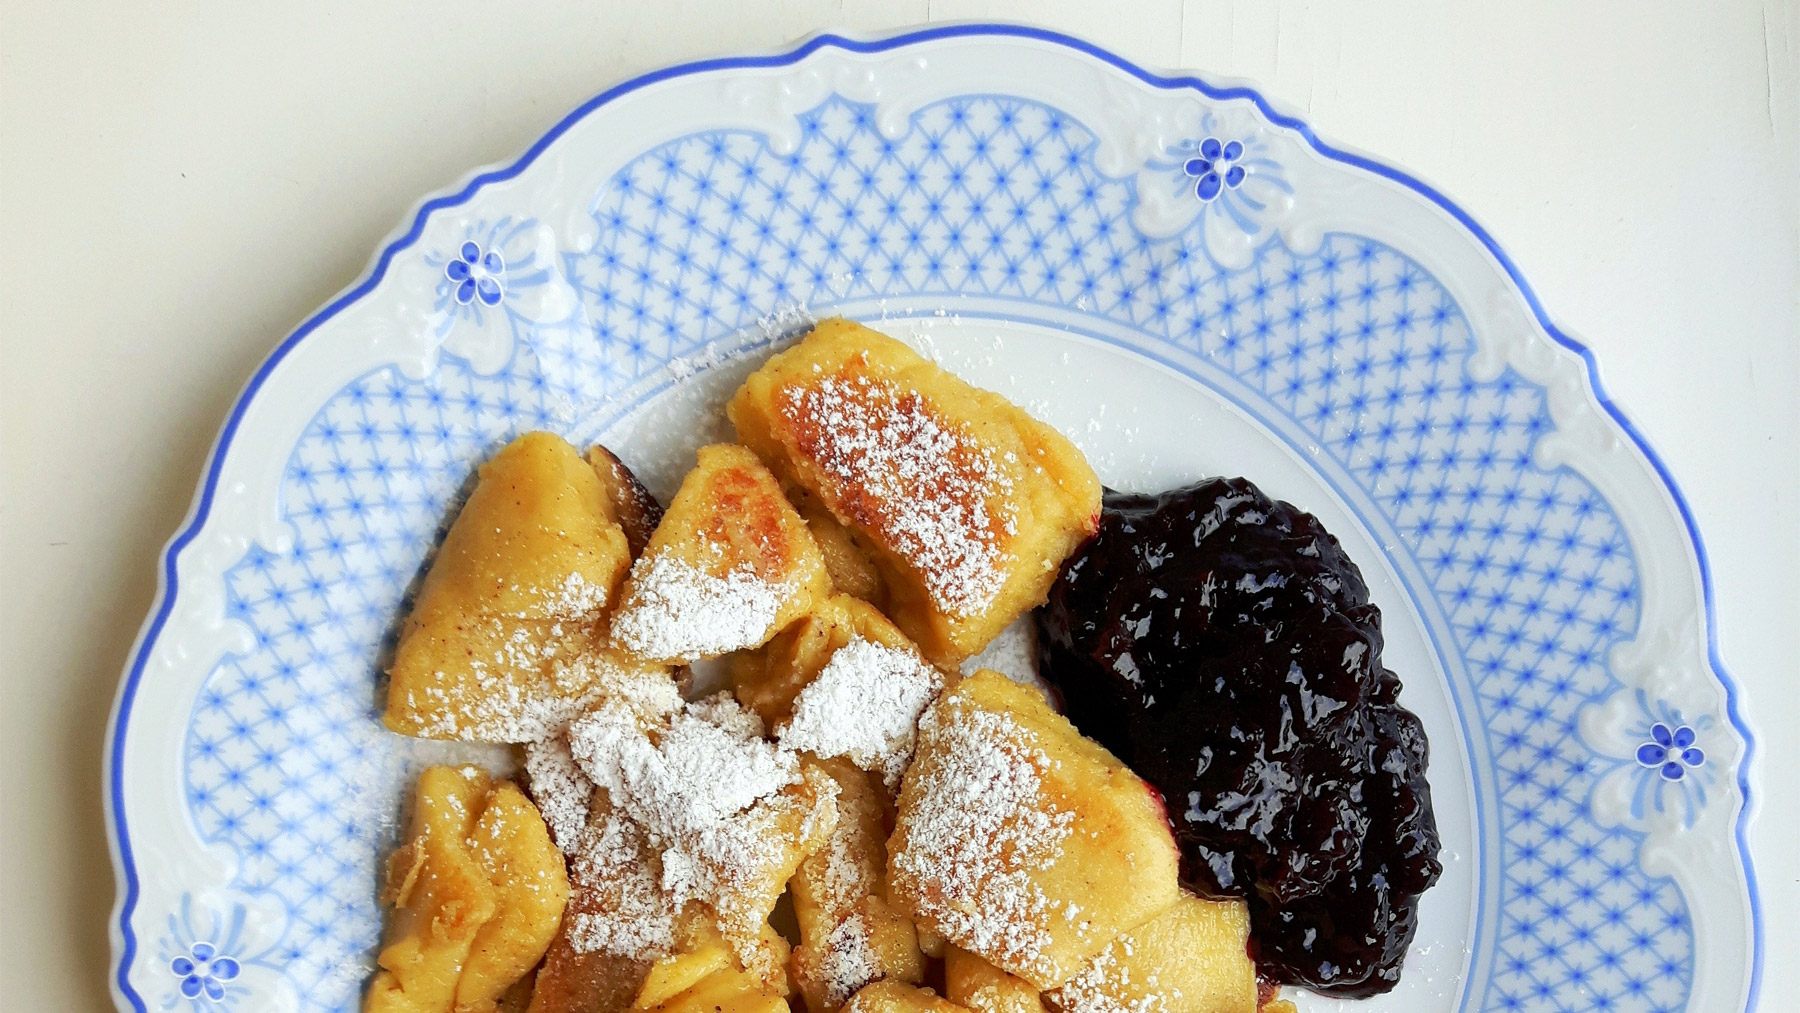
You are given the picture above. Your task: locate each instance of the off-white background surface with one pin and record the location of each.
(182, 181)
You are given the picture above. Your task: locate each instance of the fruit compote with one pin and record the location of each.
(1224, 646)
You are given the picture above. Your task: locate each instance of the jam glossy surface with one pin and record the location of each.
(1224, 646)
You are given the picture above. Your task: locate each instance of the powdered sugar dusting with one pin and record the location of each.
(560, 790)
(709, 795)
(575, 600)
(864, 705)
(722, 709)
(649, 691)
(849, 961)
(678, 610)
(1105, 986)
(702, 770)
(992, 998)
(619, 907)
(930, 491)
(844, 877)
(974, 832)
(533, 682)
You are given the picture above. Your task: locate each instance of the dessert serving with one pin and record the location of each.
(765, 764)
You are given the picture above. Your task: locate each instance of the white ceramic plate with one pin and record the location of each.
(1183, 280)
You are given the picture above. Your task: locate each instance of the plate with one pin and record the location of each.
(1183, 279)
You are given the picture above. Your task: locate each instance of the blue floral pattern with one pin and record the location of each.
(498, 283)
(1216, 168)
(1352, 344)
(1230, 183)
(203, 970)
(1670, 752)
(205, 954)
(1661, 774)
(477, 274)
(479, 281)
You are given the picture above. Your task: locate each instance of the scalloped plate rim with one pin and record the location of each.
(124, 941)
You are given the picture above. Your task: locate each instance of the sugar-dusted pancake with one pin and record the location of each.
(501, 642)
(728, 567)
(969, 504)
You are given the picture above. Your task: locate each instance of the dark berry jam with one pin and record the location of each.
(1224, 646)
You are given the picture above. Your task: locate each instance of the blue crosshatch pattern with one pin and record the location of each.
(995, 197)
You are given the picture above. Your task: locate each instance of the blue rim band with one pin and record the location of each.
(203, 507)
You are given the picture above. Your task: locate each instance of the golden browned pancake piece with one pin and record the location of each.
(848, 559)
(1193, 956)
(531, 888)
(896, 997)
(728, 567)
(968, 503)
(849, 934)
(768, 679)
(1020, 840)
(494, 647)
(973, 982)
(478, 891)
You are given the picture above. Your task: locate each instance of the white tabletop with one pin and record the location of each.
(187, 179)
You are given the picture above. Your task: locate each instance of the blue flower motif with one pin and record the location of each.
(1662, 778)
(208, 955)
(477, 274)
(1216, 167)
(203, 969)
(1671, 751)
(1225, 179)
(495, 286)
